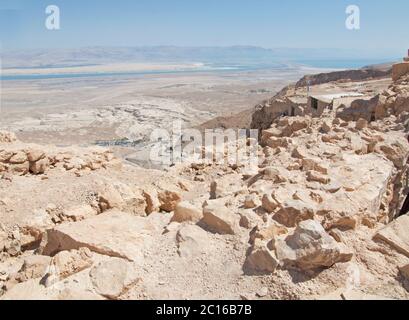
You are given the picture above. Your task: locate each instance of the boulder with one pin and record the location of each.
(310, 247)
(169, 200)
(39, 166)
(220, 219)
(274, 175)
(20, 168)
(294, 211)
(251, 201)
(260, 259)
(277, 142)
(269, 203)
(396, 152)
(313, 176)
(34, 267)
(152, 201)
(134, 200)
(267, 233)
(71, 262)
(192, 241)
(5, 155)
(313, 164)
(113, 277)
(396, 235)
(79, 213)
(300, 152)
(225, 186)
(272, 132)
(113, 233)
(109, 198)
(18, 158)
(33, 155)
(186, 211)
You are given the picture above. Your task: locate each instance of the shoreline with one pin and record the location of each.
(141, 69)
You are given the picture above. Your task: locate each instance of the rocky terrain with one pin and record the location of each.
(346, 75)
(318, 217)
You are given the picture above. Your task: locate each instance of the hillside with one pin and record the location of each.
(318, 216)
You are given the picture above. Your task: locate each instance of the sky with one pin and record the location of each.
(266, 23)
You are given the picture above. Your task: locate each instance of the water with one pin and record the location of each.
(326, 64)
(112, 74)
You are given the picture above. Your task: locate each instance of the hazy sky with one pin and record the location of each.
(266, 23)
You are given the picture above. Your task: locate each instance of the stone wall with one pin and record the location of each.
(399, 69)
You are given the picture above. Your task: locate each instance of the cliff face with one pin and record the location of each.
(348, 75)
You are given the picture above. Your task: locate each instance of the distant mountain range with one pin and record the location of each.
(240, 55)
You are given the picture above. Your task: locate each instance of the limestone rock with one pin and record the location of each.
(112, 233)
(70, 262)
(5, 155)
(79, 213)
(272, 132)
(294, 211)
(313, 176)
(300, 152)
(260, 259)
(267, 233)
(20, 168)
(397, 152)
(192, 241)
(312, 164)
(269, 203)
(251, 201)
(34, 155)
(109, 198)
(310, 247)
(113, 277)
(225, 186)
(18, 158)
(39, 166)
(396, 235)
(152, 201)
(169, 200)
(186, 211)
(274, 175)
(220, 219)
(34, 267)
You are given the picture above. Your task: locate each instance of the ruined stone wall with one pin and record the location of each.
(399, 69)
